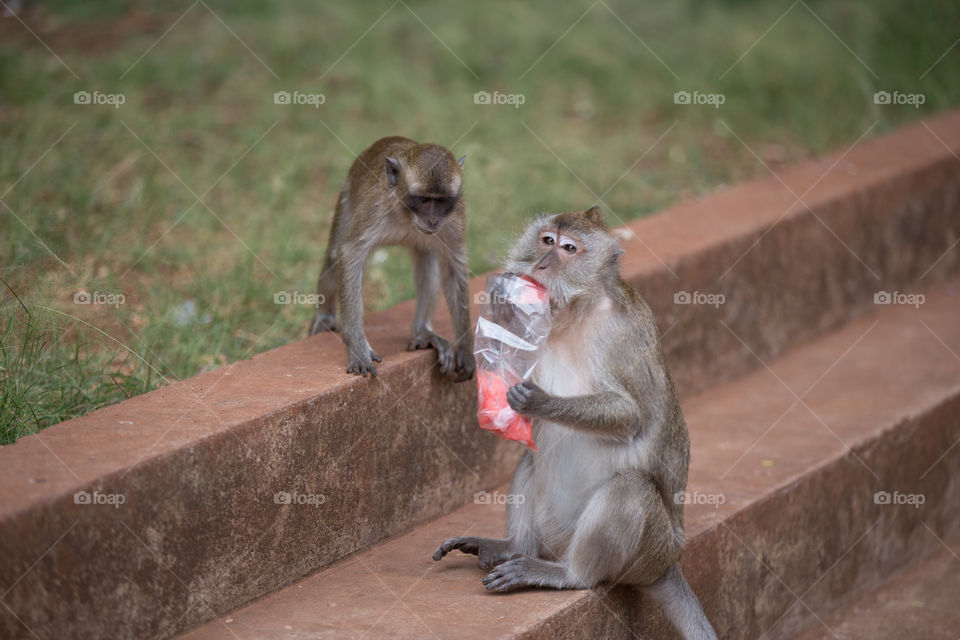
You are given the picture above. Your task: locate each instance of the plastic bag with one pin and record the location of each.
(514, 322)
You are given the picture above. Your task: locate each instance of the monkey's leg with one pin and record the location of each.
(350, 291)
(325, 319)
(456, 290)
(427, 276)
(520, 535)
(622, 535)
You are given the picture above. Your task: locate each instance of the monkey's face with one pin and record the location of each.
(571, 254)
(430, 210)
(427, 179)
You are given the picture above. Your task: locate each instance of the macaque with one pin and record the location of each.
(399, 192)
(600, 496)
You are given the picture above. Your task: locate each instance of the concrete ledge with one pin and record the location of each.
(797, 535)
(919, 602)
(198, 463)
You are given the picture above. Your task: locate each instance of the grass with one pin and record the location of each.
(105, 199)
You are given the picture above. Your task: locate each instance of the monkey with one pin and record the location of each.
(399, 192)
(599, 502)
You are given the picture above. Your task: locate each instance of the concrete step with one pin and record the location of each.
(786, 521)
(918, 602)
(199, 464)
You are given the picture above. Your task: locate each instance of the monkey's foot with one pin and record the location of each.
(364, 366)
(489, 552)
(429, 339)
(324, 322)
(524, 571)
(465, 364)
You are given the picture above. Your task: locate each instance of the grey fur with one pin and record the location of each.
(599, 496)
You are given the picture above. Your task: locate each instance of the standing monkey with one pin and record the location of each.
(599, 497)
(399, 192)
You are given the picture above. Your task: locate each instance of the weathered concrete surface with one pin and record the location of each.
(919, 602)
(794, 530)
(198, 463)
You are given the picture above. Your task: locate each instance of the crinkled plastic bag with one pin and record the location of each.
(514, 322)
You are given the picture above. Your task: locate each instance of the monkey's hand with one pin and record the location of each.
(363, 366)
(489, 552)
(526, 398)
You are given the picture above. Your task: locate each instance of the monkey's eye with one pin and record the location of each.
(568, 247)
(548, 240)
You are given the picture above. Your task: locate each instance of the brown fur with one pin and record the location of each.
(399, 192)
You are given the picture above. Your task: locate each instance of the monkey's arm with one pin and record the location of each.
(610, 413)
(456, 289)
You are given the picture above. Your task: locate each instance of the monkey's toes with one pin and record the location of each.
(504, 577)
(375, 358)
(362, 369)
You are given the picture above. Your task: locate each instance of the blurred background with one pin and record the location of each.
(168, 168)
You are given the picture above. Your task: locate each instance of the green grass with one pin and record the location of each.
(100, 212)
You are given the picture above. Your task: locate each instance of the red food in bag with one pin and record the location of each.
(513, 323)
(494, 414)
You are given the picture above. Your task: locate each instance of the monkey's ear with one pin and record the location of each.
(393, 169)
(595, 216)
(461, 161)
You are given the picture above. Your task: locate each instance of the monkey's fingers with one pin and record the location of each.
(518, 397)
(375, 358)
(466, 545)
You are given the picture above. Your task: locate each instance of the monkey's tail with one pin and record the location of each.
(680, 604)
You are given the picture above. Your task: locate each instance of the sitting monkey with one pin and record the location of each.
(599, 496)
